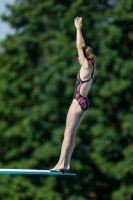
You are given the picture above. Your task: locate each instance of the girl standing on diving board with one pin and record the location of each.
(80, 104)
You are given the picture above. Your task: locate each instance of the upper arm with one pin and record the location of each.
(82, 57)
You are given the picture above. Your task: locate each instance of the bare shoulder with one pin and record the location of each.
(87, 70)
(85, 65)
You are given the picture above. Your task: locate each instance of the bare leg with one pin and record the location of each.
(73, 138)
(74, 118)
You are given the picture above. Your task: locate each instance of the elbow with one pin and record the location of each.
(79, 46)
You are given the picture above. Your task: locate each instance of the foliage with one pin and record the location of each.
(37, 75)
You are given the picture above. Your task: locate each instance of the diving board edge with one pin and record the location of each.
(35, 171)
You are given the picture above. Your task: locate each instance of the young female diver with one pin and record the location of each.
(80, 104)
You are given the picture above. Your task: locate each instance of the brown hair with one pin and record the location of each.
(88, 53)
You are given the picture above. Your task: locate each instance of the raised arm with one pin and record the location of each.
(78, 24)
(79, 39)
(83, 41)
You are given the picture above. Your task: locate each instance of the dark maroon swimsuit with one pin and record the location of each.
(83, 101)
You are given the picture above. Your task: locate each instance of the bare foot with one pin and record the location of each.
(59, 167)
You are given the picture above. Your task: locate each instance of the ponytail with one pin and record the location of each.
(88, 53)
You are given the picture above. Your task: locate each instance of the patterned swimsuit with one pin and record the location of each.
(83, 101)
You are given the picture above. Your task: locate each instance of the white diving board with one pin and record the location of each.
(35, 171)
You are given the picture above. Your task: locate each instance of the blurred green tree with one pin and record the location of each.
(37, 75)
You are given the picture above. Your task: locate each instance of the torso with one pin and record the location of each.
(85, 74)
